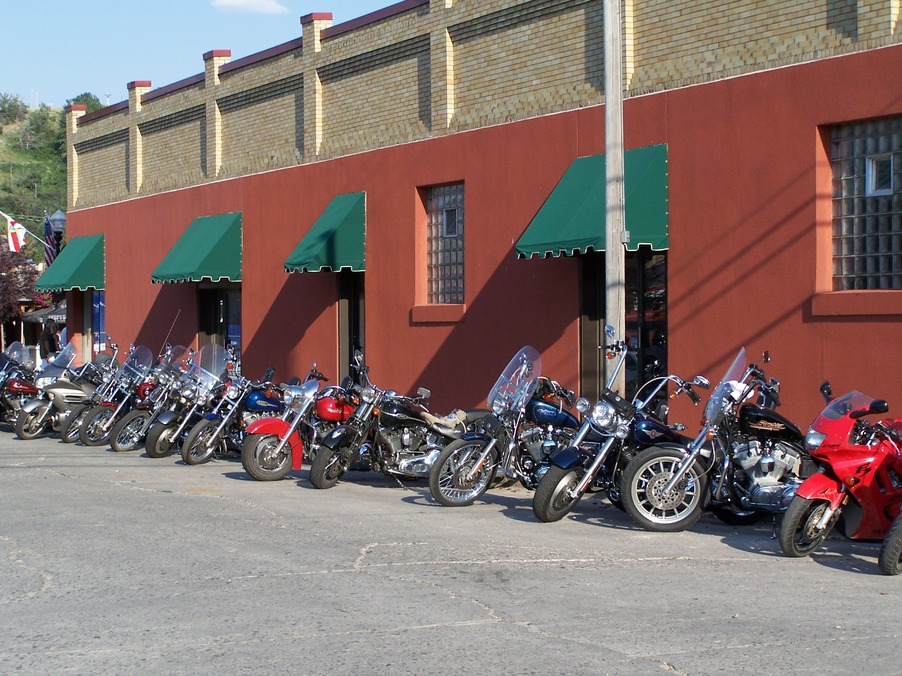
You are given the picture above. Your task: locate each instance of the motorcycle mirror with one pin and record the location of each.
(424, 392)
(609, 331)
(268, 375)
(826, 391)
(766, 357)
(701, 382)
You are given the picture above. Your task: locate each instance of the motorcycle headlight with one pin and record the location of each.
(814, 439)
(107, 377)
(368, 395)
(583, 404)
(231, 391)
(602, 415)
(499, 406)
(187, 392)
(40, 382)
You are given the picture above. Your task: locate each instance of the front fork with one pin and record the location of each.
(592, 470)
(482, 459)
(694, 449)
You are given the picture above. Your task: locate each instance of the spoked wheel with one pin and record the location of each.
(202, 443)
(72, 427)
(30, 424)
(799, 531)
(129, 432)
(449, 479)
(260, 460)
(890, 560)
(97, 426)
(159, 440)
(551, 501)
(645, 499)
(329, 466)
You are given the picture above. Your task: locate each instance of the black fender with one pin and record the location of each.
(475, 436)
(167, 418)
(571, 457)
(343, 435)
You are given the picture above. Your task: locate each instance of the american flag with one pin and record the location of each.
(50, 241)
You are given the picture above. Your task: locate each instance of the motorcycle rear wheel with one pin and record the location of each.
(329, 466)
(258, 460)
(159, 441)
(798, 535)
(448, 480)
(551, 502)
(30, 424)
(890, 559)
(72, 427)
(91, 432)
(643, 491)
(128, 433)
(201, 443)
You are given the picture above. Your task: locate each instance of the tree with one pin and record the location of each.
(17, 279)
(88, 100)
(12, 109)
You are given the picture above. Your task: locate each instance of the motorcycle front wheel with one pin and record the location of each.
(329, 466)
(96, 428)
(30, 424)
(799, 534)
(129, 432)
(551, 501)
(646, 501)
(72, 427)
(449, 480)
(890, 559)
(159, 440)
(259, 459)
(201, 443)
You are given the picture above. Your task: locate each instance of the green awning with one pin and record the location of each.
(80, 265)
(572, 218)
(209, 249)
(337, 239)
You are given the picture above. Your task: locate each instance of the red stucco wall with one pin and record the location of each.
(748, 188)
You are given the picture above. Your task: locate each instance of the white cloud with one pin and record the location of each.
(258, 6)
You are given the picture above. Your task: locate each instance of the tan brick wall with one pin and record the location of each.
(440, 67)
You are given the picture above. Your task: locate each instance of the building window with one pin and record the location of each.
(867, 205)
(445, 253)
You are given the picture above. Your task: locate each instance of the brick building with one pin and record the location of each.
(380, 182)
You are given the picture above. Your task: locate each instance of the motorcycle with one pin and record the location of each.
(858, 485)
(60, 389)
(519, 437)
(163, 382)
(745, 463)
(392, 433)
(243, 401)
(198, 392)
(613, 431)
(274, 446)
(118, 398)
(17, 370)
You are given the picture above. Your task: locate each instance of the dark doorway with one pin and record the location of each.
(219, 315)
(646, 319)
(351, 317)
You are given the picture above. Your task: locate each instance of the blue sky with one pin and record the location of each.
(54, 50)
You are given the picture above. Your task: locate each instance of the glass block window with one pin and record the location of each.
(867, 205)
(445, 255)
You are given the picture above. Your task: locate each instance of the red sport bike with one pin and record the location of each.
(858, 488)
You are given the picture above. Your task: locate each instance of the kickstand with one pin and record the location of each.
(773, 533)
(399, 482)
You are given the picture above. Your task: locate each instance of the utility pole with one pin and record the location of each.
(615, 235)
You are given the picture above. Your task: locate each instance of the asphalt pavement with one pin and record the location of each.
(119, 563)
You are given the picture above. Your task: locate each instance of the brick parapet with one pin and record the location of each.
(423, 68)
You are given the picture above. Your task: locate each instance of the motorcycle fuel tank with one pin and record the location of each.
(333, 410)
(757, 421)
(541, 412)
(258, 401)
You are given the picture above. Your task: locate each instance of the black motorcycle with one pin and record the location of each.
(746, 462)
(388, 432)
(613, 431)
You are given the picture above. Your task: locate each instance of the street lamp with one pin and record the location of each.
(58, 223)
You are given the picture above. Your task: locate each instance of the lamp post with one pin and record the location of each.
(58, 223)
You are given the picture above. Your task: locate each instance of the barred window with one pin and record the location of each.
(867, 205)
(445, 214)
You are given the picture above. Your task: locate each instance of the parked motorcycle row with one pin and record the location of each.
(745, 464)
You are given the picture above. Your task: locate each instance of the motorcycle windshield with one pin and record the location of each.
(177, 359)
(66, 356)
(518, 380)
(209, 367)
(18, 353)
(844, 405)
(138, 364)
(720, 398)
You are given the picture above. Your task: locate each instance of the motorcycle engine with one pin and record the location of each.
(544, 442)
(766, 474)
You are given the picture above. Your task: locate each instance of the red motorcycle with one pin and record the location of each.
(274, 446)
(858, 487)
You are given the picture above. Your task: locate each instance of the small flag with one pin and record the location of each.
(15, 233)
(49, 242)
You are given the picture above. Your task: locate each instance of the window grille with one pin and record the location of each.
(867, 205)
(445, 214)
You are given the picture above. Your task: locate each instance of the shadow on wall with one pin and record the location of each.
(172, 318)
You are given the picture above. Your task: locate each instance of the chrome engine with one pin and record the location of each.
(411, 450)
(766, 475)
